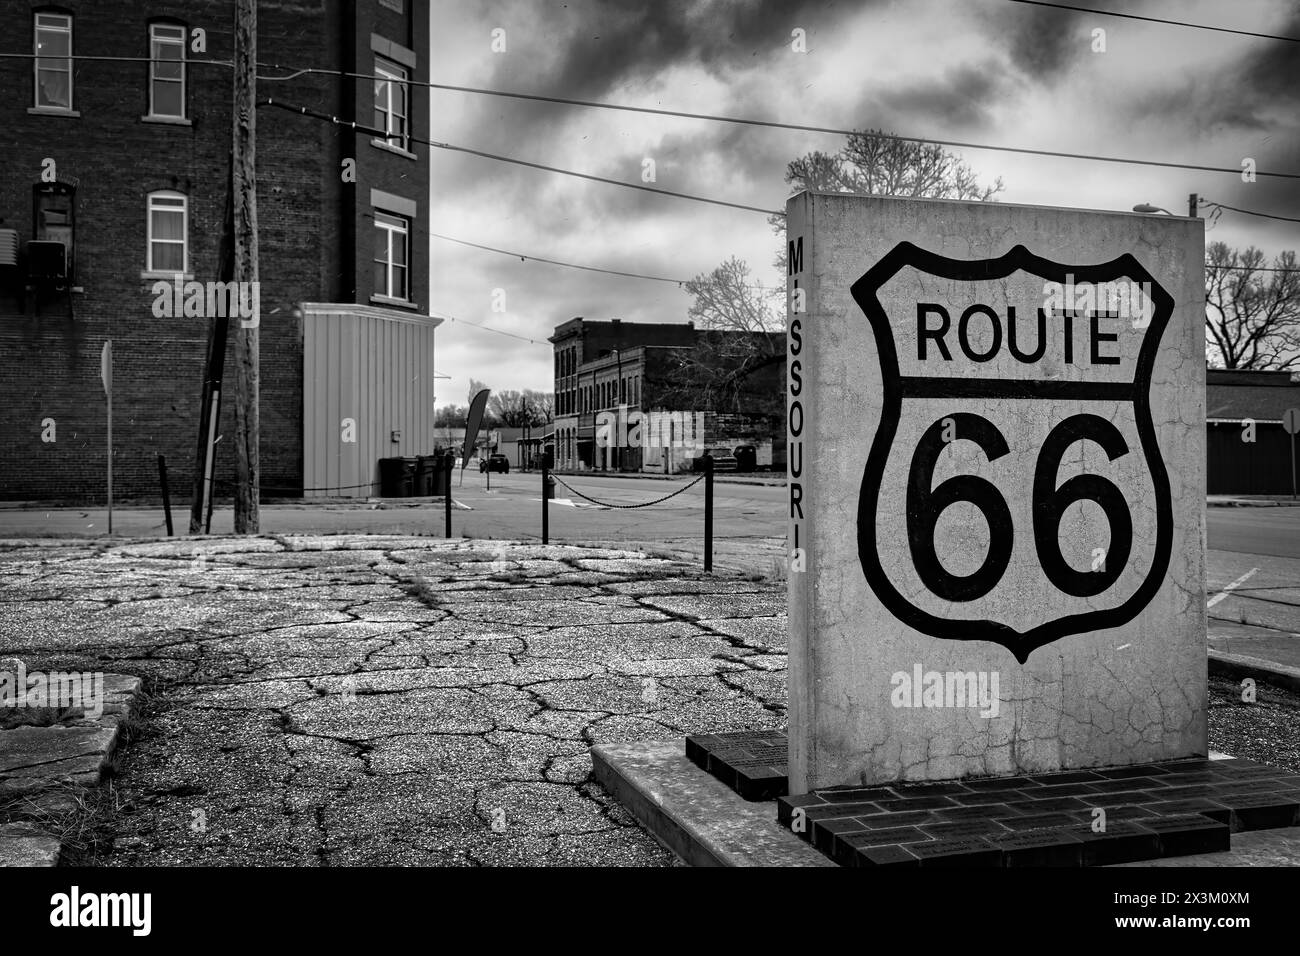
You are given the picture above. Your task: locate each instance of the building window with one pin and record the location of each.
(168, 233)
(391, 256)
(53, 61)
(167, 70)
(391, 111)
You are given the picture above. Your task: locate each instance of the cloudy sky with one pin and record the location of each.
(987, 71)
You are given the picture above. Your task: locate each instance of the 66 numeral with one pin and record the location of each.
(925, 505)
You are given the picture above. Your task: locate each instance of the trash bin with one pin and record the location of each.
(437, 474)
(426, 474)
(396, 477)
(746, 458)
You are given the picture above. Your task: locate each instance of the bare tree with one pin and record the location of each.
(1252, 316)
(740, 333)
(513, 409)
(727, 299)
(451, 416)
(543, 404)
(874, 163)
(726, 372)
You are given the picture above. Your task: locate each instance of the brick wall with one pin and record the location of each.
(49, 366)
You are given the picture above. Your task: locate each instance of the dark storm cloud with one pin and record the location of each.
(606, 43)
(1271, 68)
(1208, 104)
(621, 40)
(1252, 95)
(962, 97)
(1040, 42)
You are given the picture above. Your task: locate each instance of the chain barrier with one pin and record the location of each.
(644, 504)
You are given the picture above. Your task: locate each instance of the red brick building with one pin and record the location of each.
(124, 163)
(649, 373)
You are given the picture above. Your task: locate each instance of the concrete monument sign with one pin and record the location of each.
(997, 489)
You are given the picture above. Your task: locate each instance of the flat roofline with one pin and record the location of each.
(369, 311)
(1009, 205)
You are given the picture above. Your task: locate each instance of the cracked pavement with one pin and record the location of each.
(350, 699)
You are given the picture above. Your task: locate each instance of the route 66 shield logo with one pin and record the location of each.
(1016, 464)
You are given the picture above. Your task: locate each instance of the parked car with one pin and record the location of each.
(495, 463)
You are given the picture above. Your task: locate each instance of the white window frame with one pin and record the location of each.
(153, 205)
(155, 39)
(54, 23)
(392, 223)
(391, 73)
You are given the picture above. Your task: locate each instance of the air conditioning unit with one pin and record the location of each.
(47, 261)
(8, 247)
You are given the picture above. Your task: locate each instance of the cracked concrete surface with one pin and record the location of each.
(342, 700)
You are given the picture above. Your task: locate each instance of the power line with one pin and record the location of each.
(1174, 23)
(351, 124)
(1213, 265)
(1247, 212)
(384, 134)
(555, 262)
(771, 124)
(601, 179)
(573, 265)
(488, 328)
(742, 121)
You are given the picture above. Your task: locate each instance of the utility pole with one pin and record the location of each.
(244, 191)
(1192, 202)
(213, 370)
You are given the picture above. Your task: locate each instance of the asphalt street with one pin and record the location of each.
(1254, 553)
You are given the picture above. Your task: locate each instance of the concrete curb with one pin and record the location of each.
(1240, 666)
(37, 763)
(695, 815)
(1250, 503)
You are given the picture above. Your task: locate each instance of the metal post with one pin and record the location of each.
(708, 512)
(1193, 201)
(167, 498)
(546, 481)
(1293, 466)
(108, 351)
(449, 462)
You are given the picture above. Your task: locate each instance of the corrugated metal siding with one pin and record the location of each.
(375, 370)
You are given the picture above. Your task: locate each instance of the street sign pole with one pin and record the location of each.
(1291, 422)
(106, 374)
